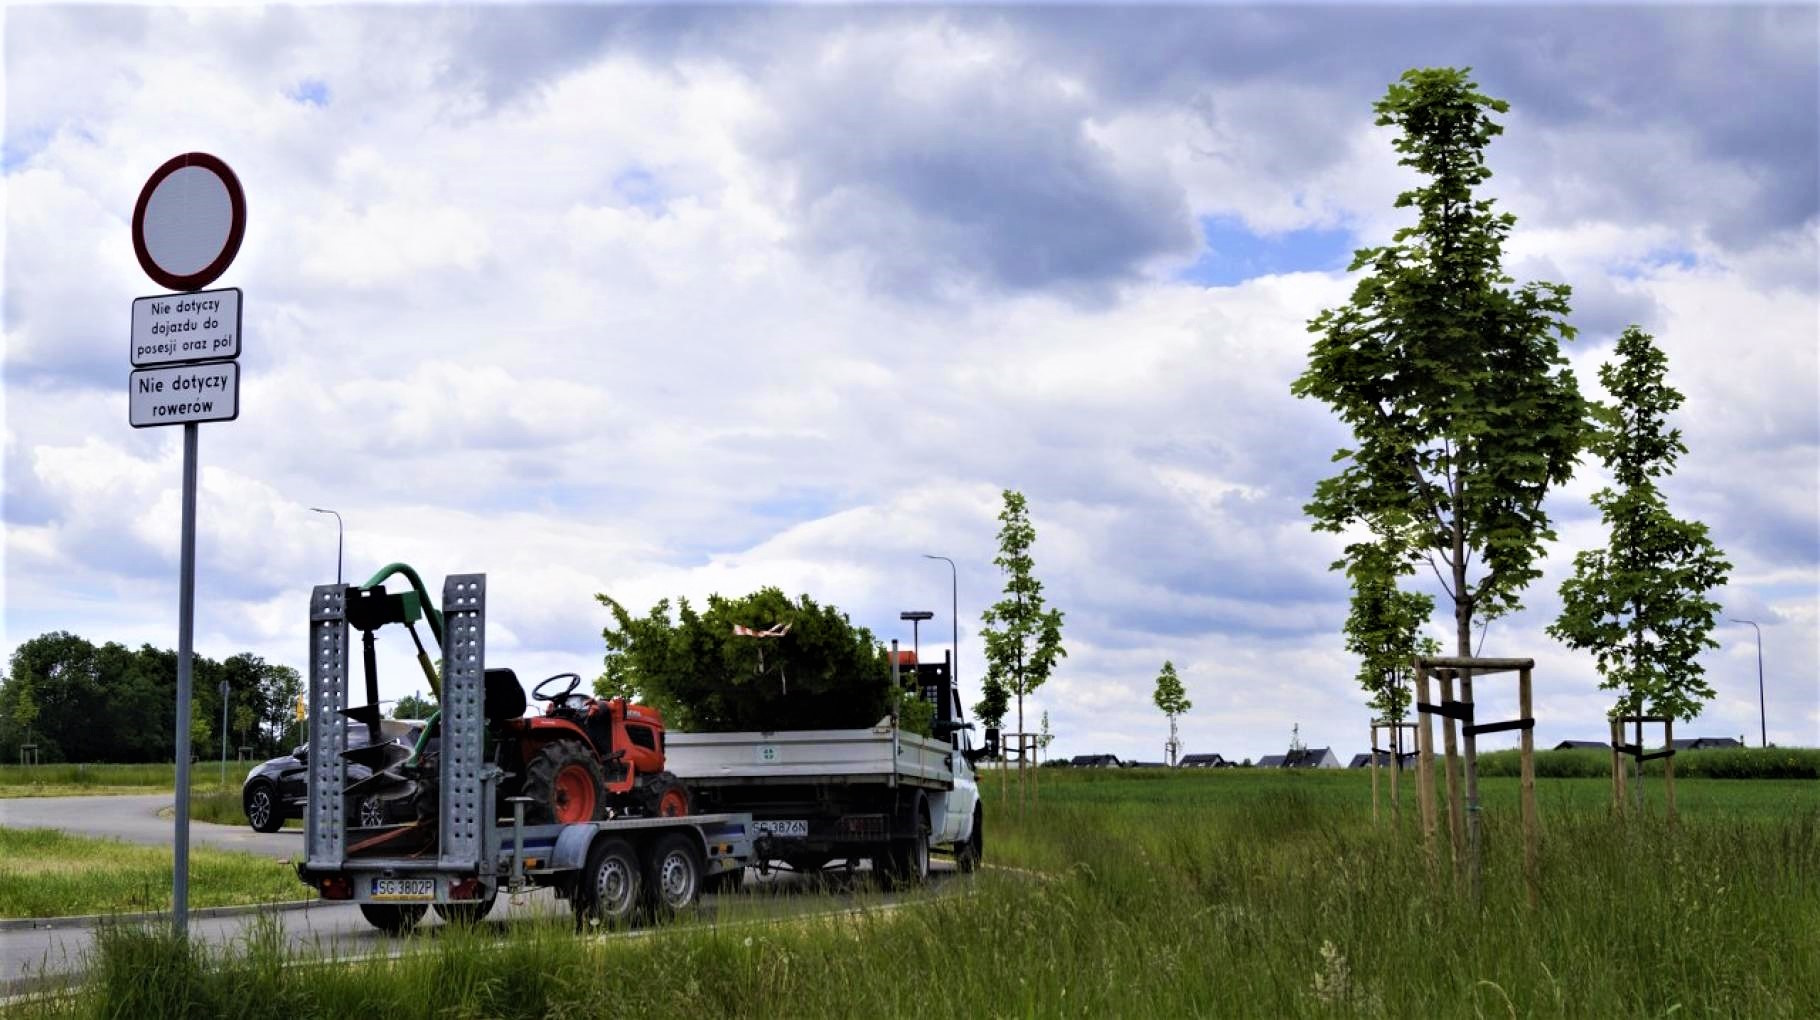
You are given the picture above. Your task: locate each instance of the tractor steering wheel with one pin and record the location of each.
(574, 680)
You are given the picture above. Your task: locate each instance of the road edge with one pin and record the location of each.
(93, 920)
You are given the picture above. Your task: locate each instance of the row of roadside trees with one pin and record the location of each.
(82, 702)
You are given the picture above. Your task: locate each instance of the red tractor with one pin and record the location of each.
(583, 758)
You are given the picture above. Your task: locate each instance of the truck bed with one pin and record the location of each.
(880, 754)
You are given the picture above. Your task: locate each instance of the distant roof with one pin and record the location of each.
(1200, 759)
(1307, 757)
(1698, 743)
(1096, 759)
(1568, 745)
(1271, 761)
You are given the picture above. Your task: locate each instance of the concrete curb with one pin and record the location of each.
(91, 920)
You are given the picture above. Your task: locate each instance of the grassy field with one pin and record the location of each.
(1222, 893)
(77, 779)
(45, 873)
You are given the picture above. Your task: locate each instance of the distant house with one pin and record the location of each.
(1202, 761)
(1385, 760)
(1271, 761)
(1311, 758)
(1583, 745)
(1701, 743)
(1096, 761)
(1145, 765)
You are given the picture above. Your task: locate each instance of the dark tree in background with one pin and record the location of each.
(1461, 405)
(1640, 604)
(825, 673)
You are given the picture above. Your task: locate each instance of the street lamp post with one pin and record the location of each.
(224, 729)
(1762, 712)
(338, 530)
(954, 610)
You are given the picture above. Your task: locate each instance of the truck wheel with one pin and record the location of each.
(673, 876)
(564, 783)
(467, 913)
(907, 860)
(608, 891)
(262, 810)
(967, 856)
(664, 796)
(393, 918)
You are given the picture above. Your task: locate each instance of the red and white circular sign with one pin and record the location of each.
(189, 221)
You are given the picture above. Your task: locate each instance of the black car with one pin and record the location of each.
(277, 789)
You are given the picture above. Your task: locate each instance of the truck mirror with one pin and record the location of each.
(991, 748)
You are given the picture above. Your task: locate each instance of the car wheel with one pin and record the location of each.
(262, 810)
(371, 812)
(393, 918)
(967, 856)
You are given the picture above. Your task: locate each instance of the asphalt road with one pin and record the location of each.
(27, 955)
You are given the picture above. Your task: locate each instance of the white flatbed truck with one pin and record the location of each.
(458, 861)
(881, 794)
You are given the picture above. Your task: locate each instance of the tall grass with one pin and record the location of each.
(17, 780)
(1160, 895)
(46, 873)
(1706, 763)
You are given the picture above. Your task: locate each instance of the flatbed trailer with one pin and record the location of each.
(459, 860)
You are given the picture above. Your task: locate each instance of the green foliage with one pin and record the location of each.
(1640, 603)
(1462, 408)
(1023, 640)
(994, 702)
(412, 706)
(1706, 763)
(1384, 627)
(108, 703)
(824, 674)
(1169, 695)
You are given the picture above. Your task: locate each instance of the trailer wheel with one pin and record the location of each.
(393, 918)
(673, 874)
(607, 892)
(466, 913)
(564, 783)
(967, 856)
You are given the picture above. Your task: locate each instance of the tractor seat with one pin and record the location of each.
(504, 697)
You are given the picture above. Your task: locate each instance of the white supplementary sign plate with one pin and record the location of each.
(179, 394)
(203, 326)
(795, 827)
(404, 888)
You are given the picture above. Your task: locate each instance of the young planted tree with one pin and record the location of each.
(1640, 604)
(1043, 736)
(1023, 639)
(1453, 383)
(1384, 627)
(1172, 700)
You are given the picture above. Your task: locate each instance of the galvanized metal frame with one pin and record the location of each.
(325, 834)
(463, 719)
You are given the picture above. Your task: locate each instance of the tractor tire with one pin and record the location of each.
(263, 810)
(663, 796)
(565, 785)
(608, 892)
(466, 914)
(967, 855)
(673, 875)
(393, 918)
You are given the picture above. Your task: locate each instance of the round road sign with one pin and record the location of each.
(189, 221)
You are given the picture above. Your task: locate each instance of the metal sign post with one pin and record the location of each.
(187, 228)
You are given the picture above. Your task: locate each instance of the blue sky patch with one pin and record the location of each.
(310, 91)
(1655, 262)
(1232, 254)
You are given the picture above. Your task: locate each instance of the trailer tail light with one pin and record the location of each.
(466, 889)
(337, 887)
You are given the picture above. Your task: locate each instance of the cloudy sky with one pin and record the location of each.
(684, 301)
